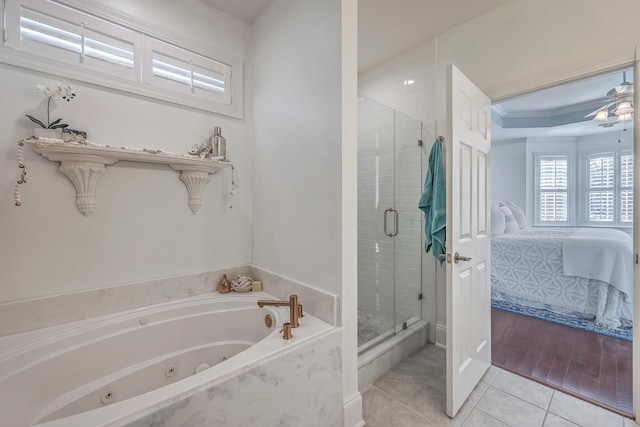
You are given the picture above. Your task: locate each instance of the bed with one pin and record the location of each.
(583, 271)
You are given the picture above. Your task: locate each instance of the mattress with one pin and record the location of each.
(528, 264)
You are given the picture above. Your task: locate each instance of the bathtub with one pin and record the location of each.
(106, 370)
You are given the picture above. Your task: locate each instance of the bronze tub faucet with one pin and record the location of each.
(295, 309)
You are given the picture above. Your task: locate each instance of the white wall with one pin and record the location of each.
(296, 72)
(142, 228)
(508, 173)
(528, 44)
(304, 187)
(384, 83)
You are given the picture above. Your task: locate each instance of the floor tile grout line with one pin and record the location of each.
(484, 412)
(388, 417)
(559, 389)
(474, 406)
(389, 395)
(414, 412)
(519, 398)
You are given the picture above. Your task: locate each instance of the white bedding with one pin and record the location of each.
(529, 264)
(604, 254)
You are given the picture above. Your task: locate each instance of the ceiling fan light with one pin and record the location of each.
(624, 117)
(602, 116)
(624, 108)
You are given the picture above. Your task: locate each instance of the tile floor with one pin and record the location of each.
(413, 393)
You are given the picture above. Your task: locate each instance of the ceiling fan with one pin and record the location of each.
(620, 104)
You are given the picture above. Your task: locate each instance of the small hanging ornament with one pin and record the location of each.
(23, 174)
(233, 190)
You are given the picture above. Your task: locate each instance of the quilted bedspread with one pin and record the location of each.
(528, 264)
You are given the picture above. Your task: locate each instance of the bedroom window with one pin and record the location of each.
(609, 192)
(552, 189)
(73, 39)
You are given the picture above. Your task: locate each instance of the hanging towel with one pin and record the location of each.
(433, 203)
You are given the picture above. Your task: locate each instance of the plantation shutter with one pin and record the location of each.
(62, 34)
(553, 189)
(181, 70)
(601, 187)
(626, 188)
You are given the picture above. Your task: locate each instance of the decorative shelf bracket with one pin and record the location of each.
(84, 175)
(195, 180)
(85, 164)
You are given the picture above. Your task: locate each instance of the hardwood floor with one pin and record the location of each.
(586, 365)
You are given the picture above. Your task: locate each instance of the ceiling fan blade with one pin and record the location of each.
(604, 107)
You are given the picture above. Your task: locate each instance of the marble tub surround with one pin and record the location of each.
(36, 313)
(321, 304)
(301, 387)
(298, 383)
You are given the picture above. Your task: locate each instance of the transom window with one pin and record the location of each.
(70, 39)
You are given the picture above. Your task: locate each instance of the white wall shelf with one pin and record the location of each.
(85, 164)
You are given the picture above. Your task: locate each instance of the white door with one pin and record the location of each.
(468, 219)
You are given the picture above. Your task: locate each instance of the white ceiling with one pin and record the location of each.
(245, 10)
(389, 27)
(571, 101)
(385, 27)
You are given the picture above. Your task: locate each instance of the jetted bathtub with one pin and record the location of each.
(102, 371)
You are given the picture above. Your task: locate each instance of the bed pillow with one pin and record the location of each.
(497, 221)
(518, 214)
(510, 223)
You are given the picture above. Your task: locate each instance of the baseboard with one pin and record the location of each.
(353, 411)
(441, 335)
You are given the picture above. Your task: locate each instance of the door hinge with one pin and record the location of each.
(420, 296)
(420, 142)
(5, 35)
(636, 258)
(404, 325)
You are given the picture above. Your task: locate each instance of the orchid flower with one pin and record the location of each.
(53, 90)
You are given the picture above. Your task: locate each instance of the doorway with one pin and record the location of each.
(566, 173)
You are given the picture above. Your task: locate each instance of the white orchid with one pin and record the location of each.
(53, 90)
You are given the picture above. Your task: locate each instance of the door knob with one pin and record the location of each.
(457, 258)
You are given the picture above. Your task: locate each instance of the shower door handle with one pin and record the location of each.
(395, 214)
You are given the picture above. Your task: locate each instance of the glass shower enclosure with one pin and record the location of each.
(389, 222)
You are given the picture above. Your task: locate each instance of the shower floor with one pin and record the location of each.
(371, 326)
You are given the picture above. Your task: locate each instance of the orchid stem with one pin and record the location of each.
(48, 105)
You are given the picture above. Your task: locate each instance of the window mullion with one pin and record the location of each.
(12, 24)
(139, 57)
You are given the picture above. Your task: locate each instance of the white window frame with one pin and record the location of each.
(616, 189)
(570, 189)
(141, 81)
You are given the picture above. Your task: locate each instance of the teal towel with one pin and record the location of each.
(433, 203)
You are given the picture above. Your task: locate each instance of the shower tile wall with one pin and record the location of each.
(379, 159)
(408, 189)
(375, 194)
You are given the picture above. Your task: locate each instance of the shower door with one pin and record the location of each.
(389, 222)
